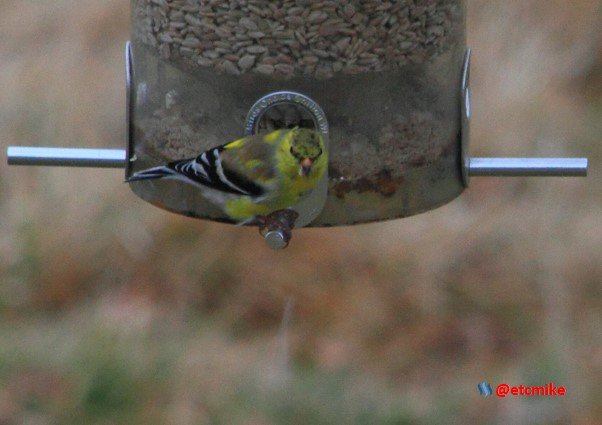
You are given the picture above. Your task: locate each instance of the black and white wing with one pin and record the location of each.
(206, 170)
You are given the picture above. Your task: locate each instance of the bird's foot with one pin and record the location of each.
(277, 227)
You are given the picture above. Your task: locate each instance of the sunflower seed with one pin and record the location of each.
(246, 62)
(319, 37)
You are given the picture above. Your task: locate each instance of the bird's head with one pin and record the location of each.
(307, 147)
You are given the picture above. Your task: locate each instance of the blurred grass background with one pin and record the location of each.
(112, 311)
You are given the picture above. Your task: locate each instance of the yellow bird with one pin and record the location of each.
(254, 176)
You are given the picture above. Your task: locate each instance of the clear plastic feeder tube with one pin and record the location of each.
(386, 74)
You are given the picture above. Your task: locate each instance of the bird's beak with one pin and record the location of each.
(306, 166)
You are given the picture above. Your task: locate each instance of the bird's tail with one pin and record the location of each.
(151, 174)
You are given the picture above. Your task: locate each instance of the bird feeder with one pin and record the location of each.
(386, 83)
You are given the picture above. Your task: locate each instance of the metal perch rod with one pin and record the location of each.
(116, 158)
(66, 157)
(517, 167)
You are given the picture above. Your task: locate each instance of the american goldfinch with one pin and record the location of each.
(254, 176)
